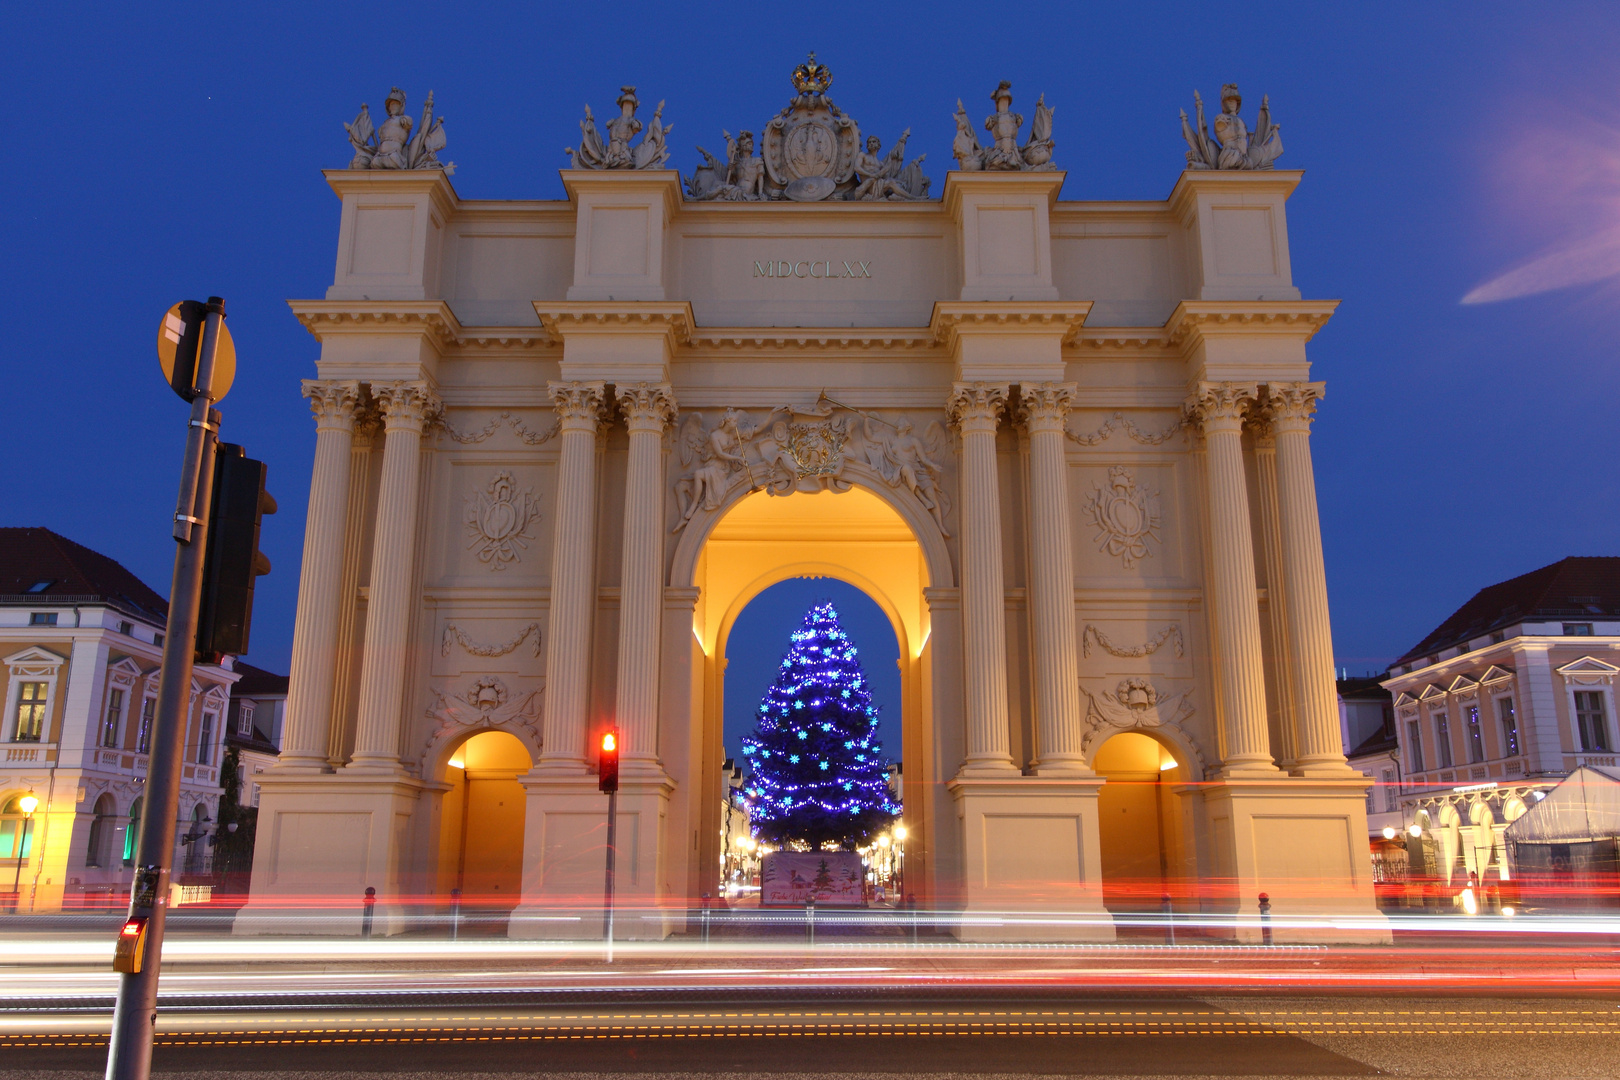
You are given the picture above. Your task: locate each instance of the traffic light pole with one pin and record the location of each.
(129, 1057)
(612, 854)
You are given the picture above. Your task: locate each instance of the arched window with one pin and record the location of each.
(14, 830)
(99, 850)
(196, 840)
(132, 835)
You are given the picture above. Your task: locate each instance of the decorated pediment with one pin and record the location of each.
(1495, 674)
(124, 672)
(1588, 670)
(34, 661)
(1463, 686)
(1403, 698)
(1432, 693)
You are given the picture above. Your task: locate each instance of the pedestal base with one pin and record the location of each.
(1032, 862)
(1302, 842)
(565, 861)
(322, 841)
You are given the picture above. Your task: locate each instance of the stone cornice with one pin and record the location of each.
(1195, 319)
(332, 318)
(1230, 182)
(665, 181)
(952, 319)
(749, 338)
(673, 320)
(1049, 183)
(395, 182)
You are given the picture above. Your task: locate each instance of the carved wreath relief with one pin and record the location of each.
(486, 703)
(498, 521)
(1126, 516)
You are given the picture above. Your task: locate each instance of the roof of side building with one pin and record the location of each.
(1578, 587)
(71, 574)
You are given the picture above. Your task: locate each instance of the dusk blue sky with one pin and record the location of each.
(157, 152)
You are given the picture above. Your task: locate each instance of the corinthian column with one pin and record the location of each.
(315, 626)
(646, 408)
(573, 577)
(1316, 713)
(406, 407)
(974, 409)
(1218, 409)
(1051, 594)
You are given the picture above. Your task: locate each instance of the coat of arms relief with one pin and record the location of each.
(806, 449)
(809, 152)
(1126, 516)
(498, 520)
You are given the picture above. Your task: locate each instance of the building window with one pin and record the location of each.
(157, 639)
(1510, 726)
(1442, 739)
(15, 830)
(205, 743)
(40, 586)
(1590, 719)
(1498, 636)
(30, 712)
(1414, 746)
(1577, 629)
(115, 713)
(125, 628)
(132, 835)
(143, 738)
(1390, 804)
(99, 850)
(1476, 736)
(42, 618)
(244, 719)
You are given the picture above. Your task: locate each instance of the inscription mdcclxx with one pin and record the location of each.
(813, 268)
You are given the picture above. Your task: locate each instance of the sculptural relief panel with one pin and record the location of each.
(1127, 522)
(494, 517)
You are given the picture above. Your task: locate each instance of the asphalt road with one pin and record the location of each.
(780, 1038)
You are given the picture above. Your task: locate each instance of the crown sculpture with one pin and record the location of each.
(1004, 153)
(811, 151)
(393, 146)
(650, 153)
(1232, 147)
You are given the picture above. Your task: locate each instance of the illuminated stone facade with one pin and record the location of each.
(1064, 444)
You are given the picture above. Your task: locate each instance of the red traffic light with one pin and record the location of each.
(608, 763)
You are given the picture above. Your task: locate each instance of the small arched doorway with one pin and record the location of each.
(1140, 826)
(481, 826)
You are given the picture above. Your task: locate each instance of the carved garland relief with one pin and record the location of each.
(454, 634)
(1147, 648)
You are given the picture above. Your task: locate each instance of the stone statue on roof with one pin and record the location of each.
(1004, 154)
(617, 153)
(392, 145)
(1232, 147)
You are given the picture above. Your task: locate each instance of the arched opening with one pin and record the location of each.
(195, 841)
(481, 825)
(98, 851)
(132, 833)
(856, 537)
(1142, 835)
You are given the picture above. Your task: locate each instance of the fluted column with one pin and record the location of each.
(315, 626)
(1316, 712)
(1269, 550)
(646, 408)
(573, 577)
(1219, 408)
(406, 408)
(975, 409)
(1051, 594)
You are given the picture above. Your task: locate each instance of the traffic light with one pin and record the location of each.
(607, 768)
(233, 559)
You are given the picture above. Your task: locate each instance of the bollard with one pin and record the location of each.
(1265, 919)
(810, 921)
(370, 902)
(455, 914)
(1168, 908)
(704, 918)
(911, 902)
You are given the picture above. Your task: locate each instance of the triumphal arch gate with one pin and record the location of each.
(1065, 446)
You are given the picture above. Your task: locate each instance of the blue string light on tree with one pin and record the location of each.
(818, 771)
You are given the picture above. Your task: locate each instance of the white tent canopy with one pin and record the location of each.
(1583, 808)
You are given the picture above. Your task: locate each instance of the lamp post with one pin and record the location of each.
(27, 804)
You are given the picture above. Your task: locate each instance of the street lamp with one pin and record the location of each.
(27, 804)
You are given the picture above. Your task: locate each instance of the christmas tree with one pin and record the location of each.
(818, 769)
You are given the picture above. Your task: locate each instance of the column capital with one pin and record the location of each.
(1288, 405)
(334, 402)
(1043, 406)
(647, 406)
(578, 404)
(1220, 406)
(406, 406)
(976, 406)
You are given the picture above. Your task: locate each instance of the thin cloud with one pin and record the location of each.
(1581, 263)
